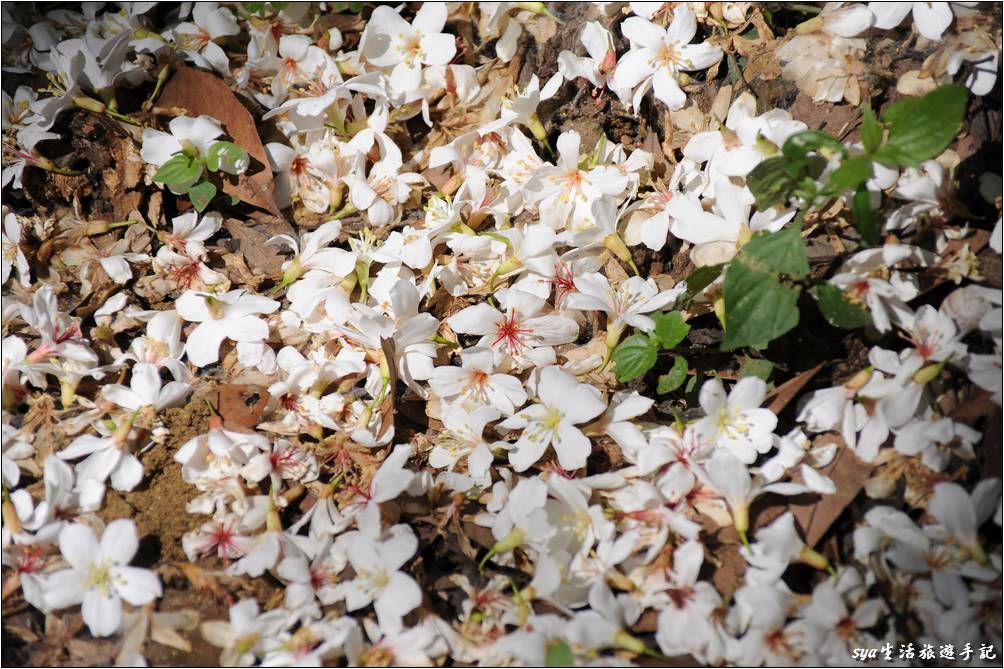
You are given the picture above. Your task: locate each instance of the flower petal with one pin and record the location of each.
(103, 615)
(137, 586)
(119, 541)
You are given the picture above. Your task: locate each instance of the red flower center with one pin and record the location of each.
(564, 282)
(510, 334)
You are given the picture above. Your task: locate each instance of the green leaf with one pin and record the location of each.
(674, 378)
(757, 367)
(213, 159)
(757, 307)
(864, 217)
(559, 655)
(228, 157)
(634, 356)
(871, 129)
(670, 329)
(781, 252)
(772, 182)
(202, 195)
(814, 167)
(921, 128)
(801, 144)
(691, 384)
(838, 309)
(852, 173)
(699, 279)
(178, 170)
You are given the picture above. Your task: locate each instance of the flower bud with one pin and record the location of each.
(90, 104)
(616, 245)
(508, 265)
(812, 25)
(814, 558)
(624, 640)
(741, 520)
(510, 541)
(858, 381)
(10, 520)
(273, 523)
(535, 7)
(925, 375)
(614, 335)
(976, 551)
(536, 127)
(293, 272)
(67, 394)
(609, 61)
(95, 228)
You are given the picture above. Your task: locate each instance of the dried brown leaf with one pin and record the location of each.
(240, 405)
(784, 393)
(731, 568)
(251, 237)
(164, 628)
(200, 579)
(239, 272)
(199, 93)
(541, 27)
(849, 474)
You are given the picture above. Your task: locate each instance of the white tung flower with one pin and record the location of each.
(100, 577)
(564, 403)
(231, 315)
(378, 579)
(599, 65)
(930, 18)
(522, 332)
(198, 37)
(476, 382)
(247, 633)
(462, 437)
(736, 422)
(626, 303)
(391, 42)
(564, 193)
(13, 256)
(658, 55)
(193, 134)
(145, 389)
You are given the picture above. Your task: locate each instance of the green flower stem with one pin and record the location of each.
(161, 80)
(347, 210)
(98, 107)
